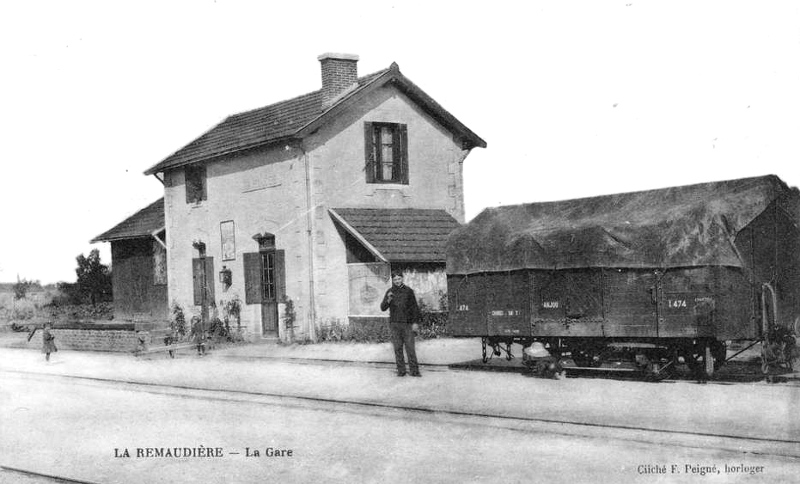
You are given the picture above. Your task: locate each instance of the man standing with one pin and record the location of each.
(403, 317)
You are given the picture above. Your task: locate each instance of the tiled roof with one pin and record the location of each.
(253, 128)
(401, 235)
(141, 224)
(298, 117)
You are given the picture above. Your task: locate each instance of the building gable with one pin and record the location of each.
(301, 116)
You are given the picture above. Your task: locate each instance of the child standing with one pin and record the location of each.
(199, 335)
(48, 341)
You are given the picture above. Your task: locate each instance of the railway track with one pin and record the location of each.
(737, 372)
(788, 449)
(27, 476)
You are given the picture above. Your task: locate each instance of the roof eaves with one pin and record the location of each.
(393, 75)
(444, 116)
(156, 168)
(355, 233)
(106, 237)
(102, 238)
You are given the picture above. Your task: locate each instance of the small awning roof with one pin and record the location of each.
(144, 223)
(399, 235)
(687, 226)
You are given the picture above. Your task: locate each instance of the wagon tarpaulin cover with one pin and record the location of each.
(694, 225)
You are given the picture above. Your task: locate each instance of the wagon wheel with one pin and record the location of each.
(701, 361)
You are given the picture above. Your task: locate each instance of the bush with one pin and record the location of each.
(433, 324)
(68, 294)
(178, 323)
(357, 331)
(79, 312)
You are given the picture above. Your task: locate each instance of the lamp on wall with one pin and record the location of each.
(225, 277)
(265, 241)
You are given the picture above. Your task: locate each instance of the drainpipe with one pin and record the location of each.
(312, 312)
(461, 208)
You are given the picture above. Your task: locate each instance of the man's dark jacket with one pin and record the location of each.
(403, 308)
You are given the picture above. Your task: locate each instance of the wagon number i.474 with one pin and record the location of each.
(676, 303)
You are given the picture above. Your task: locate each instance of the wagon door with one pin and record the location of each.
(686, 303)
(507, 303)
(568, 303)
(630, 303)
(467, 304)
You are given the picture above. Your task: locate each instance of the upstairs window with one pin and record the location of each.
(195, 183)
(386, 152)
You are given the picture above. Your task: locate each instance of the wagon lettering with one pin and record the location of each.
(550, 304)
(498, 313)
(463, 307)
(676, 303)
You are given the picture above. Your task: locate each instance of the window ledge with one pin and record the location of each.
(387, 186)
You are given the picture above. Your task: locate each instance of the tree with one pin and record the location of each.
(94, 278)
(21, 288)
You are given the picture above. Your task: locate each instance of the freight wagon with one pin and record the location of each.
(660, 277)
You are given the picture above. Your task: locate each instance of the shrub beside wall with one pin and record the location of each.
(433, 324)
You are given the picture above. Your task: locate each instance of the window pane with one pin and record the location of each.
(386, 135)
(268, 276)
(387, 154)
(387, 171)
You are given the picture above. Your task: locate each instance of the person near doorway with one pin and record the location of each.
(403, 322)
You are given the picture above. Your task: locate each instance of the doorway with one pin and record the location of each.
(269, 293)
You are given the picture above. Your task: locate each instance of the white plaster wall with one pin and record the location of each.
(337, 160)
(261, 192)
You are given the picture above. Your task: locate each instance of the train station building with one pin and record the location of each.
(307, 204)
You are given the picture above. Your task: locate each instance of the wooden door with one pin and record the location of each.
(264, 282)
(269, 294)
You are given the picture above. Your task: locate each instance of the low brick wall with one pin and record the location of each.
(96, 339)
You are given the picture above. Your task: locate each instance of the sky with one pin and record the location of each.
(574, 99)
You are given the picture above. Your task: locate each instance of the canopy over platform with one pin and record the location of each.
(694, 225)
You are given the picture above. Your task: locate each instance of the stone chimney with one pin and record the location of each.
(339, 75)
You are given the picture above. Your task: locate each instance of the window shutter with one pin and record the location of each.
(403, 144)
(210, 280)
(197, 281)
(252, 278)
(369, 152)
(188, 183)
(280, 274)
